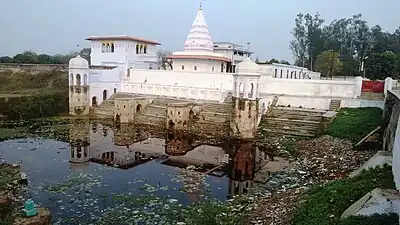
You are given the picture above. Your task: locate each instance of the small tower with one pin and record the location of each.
(79, 101)
(245, 100)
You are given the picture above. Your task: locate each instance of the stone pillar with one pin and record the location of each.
(358, 86)
(388, 84)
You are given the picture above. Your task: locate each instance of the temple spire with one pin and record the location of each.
(199, 38)
(201, 5)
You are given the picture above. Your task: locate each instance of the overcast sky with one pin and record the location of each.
(57, 26)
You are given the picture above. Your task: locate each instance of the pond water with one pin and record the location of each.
(101, 167)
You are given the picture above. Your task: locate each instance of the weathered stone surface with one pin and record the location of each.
(43, 218)
(378, 201)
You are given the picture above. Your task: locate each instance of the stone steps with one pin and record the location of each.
(217, 108)
(150, 119)
(156, 110)
(290, 132)
(334, 105)
(293, 121)
(292, 124)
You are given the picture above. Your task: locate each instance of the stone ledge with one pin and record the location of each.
(378, 201)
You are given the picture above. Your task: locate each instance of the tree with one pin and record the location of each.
(26, 57)
(381, 65)
(45, 59)
(308, 41)
(163, 62)
(284, 62)
(85, 53)
(328, 63)
(273, 61)
(6, 59)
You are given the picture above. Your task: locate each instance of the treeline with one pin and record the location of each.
(273, 61)
(30, 57)
(345, 47)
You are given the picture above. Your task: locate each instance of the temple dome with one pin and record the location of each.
(199, 38)
(78, 62)
(248, 67)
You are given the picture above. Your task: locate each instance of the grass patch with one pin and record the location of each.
(354, 124)
(27, 83)
(323, 205)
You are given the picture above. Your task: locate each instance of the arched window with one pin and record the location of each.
(104, 94)
(276, 73)
(295, 74)
(78, 79)
(251, 93)
(85, 79)
(222, 67)
(71, 79)
(195, 67)
(103, 47)
(241, 90)
(108, 47)
(115, 90)
(137, 49)
(281, 73)
(112, 47)
(145, 49)
(141, 49)
(287, 74)
(291, 75)
(183, 67)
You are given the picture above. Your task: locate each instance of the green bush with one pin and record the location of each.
(355, 123)
(323, 205)
(33, 106)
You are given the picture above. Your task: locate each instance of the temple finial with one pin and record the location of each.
(201, 5)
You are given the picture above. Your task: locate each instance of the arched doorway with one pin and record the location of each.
(78, 79)
(94, 101)
(115, 90)
(117, 119)
(171, 125)
(138, 108)
(104, 94)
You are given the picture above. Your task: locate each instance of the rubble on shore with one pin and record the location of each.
(318, 161)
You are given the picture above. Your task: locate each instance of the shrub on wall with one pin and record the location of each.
(33, 106)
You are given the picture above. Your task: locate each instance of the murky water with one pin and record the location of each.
(101, 165)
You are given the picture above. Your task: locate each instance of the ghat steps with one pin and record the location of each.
(335, 105)
(293, 121)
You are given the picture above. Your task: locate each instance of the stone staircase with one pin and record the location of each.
(293, 121)
(106, 109)
(335, 105)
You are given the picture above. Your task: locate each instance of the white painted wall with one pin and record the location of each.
(199, 65)
(101, 80)
(222, 81)
(318, 102)
(325, 88)
(124, 52)
(197, 93)
(283, 71)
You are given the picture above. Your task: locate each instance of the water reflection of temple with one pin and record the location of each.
(241, 168)
(126, 147)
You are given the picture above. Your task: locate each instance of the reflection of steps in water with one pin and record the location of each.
(122, 160)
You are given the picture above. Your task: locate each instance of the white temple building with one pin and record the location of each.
(203, 70)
